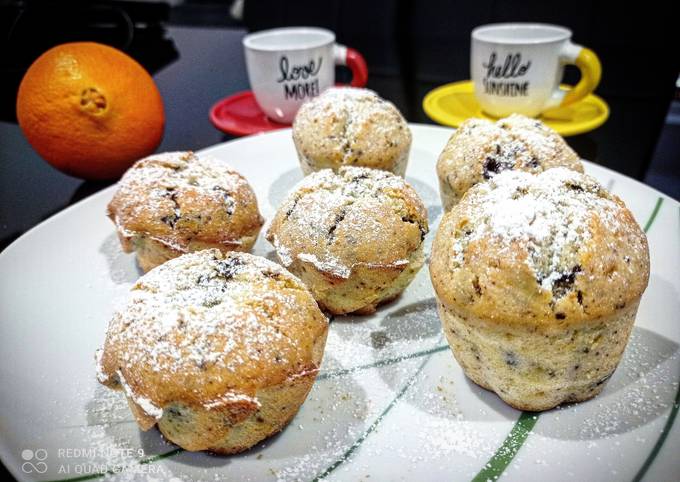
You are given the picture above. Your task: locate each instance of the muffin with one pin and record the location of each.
(351, 127)
(174, 203)
(218, 350)
(538, 280)
(479, 149)
(354, 236)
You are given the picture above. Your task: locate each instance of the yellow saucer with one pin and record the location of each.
(451, 104)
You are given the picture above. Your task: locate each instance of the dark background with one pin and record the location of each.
(193, 49)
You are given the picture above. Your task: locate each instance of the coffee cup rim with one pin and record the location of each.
(555, 33)
(250, 40)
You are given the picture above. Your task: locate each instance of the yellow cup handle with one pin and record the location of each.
(591, 71)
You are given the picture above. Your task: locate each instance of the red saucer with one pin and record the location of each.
(240, 115)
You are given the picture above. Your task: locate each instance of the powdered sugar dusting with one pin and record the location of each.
(549, 214)
(144, 403)
(284, 253)
(348, 126)
(195, 300)
(520, 142)
(534, 136)
(230, 398)
(480, 149)
(330, 265)
(354, 107)
(334, 266)
(328, 197)
(101, 376)
(177, 198)
(352, 181)
(206, 310)
(164, 172)
(184, 169)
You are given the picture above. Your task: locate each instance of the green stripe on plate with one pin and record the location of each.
(662, 438)
(380, 363)
(655, 211)
(674, 409)
(357, 443)
(507, 451)
(499, 461)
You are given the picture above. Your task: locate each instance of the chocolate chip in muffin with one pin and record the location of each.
(228, 268)
(533, 162)
(174, 412)
(493, 166)
(211, 302)
(565, 282)
(170, 220)
(228, 199)
(410, 220)
(292, 208)
(519, 192)
(574, 187)
(273, 275)
(358, 178)
(338, 219)
(510, 359)
(476, 286)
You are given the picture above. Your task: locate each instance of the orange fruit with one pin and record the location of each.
(90, 110)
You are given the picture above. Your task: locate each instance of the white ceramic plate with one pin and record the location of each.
(390, 404)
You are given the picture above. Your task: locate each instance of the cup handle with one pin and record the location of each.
(591, 71)
(355, 61)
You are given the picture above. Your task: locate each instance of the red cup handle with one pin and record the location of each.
(356, 63)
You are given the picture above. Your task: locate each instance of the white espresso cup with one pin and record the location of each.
(518, 67)
(288, 66)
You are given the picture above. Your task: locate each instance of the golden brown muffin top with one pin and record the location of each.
(353, 217)
(178, 197)
(547, 249)
(348, 126)
(479, 149)
(208, 329)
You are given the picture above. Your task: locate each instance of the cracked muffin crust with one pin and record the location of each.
(480, 149)
(538, 279)
(174, 203)
(351, 127)
(219, 350)
(354, 236)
